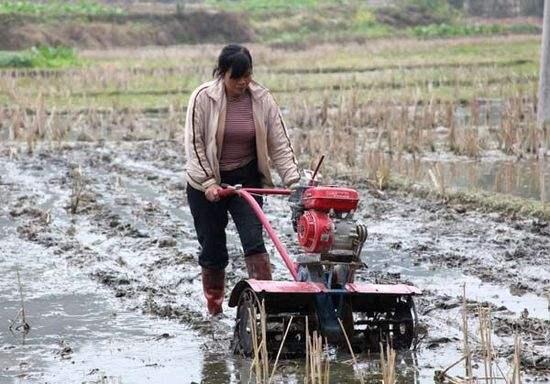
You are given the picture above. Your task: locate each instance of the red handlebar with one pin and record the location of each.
(255, 191)
(246, 193)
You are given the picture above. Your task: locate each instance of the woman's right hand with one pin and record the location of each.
(212, 193)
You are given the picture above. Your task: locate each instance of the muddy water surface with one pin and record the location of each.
(112, 292)
(79, 331)
(526, 178)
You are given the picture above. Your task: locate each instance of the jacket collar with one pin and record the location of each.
(216, 90)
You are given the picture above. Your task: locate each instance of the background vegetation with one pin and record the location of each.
(295, 23)
(58, 8)
(413, 79)
(39, 57)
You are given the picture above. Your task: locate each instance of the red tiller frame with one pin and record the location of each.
(246, 193)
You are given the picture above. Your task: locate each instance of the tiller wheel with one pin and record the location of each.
(323, 295)
(391, 320)
(248, 322)
(276, 318)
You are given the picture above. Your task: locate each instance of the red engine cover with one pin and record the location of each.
(327, 198)
(315, 233)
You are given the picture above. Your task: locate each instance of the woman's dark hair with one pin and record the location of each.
(236, 58)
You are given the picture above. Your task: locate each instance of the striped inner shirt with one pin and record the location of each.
(239, 138)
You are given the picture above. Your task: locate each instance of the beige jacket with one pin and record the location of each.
(204, 130)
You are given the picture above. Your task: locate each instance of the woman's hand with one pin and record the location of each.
(212, 193)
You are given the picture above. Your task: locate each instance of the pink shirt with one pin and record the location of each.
(239, 138)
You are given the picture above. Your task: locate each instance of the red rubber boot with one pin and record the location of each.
(213, 284)
(258, 266)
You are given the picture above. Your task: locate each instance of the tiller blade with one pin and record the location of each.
(366, 314)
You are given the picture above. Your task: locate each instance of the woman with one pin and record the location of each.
(233, 130)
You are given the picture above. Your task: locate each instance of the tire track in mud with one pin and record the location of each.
(134, 234)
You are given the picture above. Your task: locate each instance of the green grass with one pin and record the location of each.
(303, 22)
(15, 60)
(57, 8)
(39, 57)
(457, 30)
(264, 5)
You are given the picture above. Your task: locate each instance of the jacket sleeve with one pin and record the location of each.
(197, 165)
(279, 145)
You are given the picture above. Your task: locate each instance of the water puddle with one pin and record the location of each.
(444, 281)
(79, 334)
(527, 178)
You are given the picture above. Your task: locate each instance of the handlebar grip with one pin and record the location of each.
(226, 192)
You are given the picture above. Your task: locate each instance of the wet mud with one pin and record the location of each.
(129, 252)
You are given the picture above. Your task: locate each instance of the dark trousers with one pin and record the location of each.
(211, 218)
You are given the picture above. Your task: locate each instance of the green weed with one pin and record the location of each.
(58, 8)
(15, 60)
(39, 57)
(263, 5)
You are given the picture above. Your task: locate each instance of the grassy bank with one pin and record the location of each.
(289, 24)
(300, 23)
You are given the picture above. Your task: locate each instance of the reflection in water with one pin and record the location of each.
(523, 178)
(216, 369)
(220, 368)
(542, 177)
(411, 367)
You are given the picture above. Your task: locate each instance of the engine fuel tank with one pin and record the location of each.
(324, 199)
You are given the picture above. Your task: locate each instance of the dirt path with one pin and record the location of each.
(133, 234)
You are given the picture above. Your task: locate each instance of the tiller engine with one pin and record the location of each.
(323, 295)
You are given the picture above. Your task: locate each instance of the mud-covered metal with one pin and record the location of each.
(390, 289)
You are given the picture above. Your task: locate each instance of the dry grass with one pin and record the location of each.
(395, 94)
(260, 361)
(361, 378)
(466, 353)
(491, 370)
(77, 187)
(486, 342)
(514, 376)
(280, 349)
(318, 365)
(387, 361)
(259, 368)
(365, 108)
(438, 179)
(19, 323)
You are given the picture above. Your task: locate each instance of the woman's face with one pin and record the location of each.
(236, 87)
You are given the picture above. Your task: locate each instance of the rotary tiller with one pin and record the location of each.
(323, 293)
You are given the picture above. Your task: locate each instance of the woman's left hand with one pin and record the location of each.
(212, 193)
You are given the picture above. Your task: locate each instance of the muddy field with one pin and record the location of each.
(112, 292)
